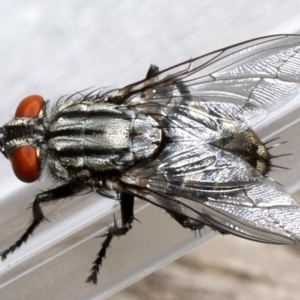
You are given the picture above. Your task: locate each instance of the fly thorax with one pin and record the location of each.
(146, 137)
(89, 139)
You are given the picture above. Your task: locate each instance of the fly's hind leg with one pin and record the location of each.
(152, 71)
(55, 194)
(186, 222)
(182, 88)
(127, 215)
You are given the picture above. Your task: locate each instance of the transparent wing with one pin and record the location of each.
(263, 73)
(206, 99)
(217, 189)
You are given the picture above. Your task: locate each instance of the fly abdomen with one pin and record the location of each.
(88, 139)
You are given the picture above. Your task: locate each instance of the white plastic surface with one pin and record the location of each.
(58, 47)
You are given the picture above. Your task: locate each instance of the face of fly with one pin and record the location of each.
(22, 137)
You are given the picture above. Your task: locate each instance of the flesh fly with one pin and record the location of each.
(180, 139)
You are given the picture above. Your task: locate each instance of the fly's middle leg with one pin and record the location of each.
(55, 194)
(127, 215)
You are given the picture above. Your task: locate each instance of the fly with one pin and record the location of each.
(180, 139)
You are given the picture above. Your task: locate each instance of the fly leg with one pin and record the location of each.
(182, 88)
(186, 222)
(127, 215)
(57, 193)
(152, 71)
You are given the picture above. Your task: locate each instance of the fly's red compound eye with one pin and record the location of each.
(25, 163)
(30, 106)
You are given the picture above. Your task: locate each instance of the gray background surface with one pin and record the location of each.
(57, 47)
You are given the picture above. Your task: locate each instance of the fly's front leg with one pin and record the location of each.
(55, 194)
(127, 214)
